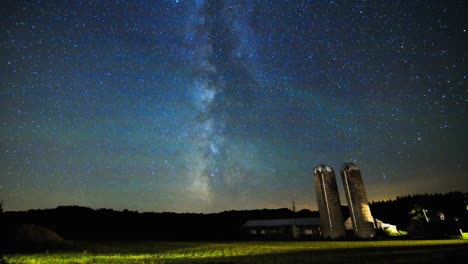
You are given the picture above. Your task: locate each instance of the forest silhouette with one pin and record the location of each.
(417, 213)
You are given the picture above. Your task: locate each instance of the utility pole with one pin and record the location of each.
(295, 230)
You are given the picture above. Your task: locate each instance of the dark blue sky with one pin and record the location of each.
(206, 106)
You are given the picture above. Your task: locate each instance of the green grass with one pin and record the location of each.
(397, 251)
(396, 234)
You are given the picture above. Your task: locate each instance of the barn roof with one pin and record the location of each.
(283, 222)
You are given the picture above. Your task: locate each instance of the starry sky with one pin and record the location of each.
(206, 106)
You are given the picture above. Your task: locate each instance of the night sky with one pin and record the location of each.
(206, 106)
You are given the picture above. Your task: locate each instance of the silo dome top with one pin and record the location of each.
(348, 166)
(322, 168)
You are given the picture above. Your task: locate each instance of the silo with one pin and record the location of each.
(328, 199)
(359, 211)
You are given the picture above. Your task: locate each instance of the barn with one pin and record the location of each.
(289, 228)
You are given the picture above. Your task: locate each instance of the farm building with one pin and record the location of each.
(378, 225)
(385, 226)
(304, 228)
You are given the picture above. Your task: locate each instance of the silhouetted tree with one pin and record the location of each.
(403, 210)
(418, 214)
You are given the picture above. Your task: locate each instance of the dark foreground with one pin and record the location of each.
(401, 251)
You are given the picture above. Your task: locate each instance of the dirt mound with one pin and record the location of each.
(35, 234)
(30, 238)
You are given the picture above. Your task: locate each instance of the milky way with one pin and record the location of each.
(209, 24)
(206, 106)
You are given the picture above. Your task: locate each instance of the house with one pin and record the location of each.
(304, 228)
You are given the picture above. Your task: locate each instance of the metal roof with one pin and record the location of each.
(323, 168)
(283, 222)
(349, 166)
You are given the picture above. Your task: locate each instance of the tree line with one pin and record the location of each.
(406, 211)
(82, 223)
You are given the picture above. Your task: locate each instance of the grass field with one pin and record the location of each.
(398, 251)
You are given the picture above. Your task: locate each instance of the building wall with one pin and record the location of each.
(284, 232)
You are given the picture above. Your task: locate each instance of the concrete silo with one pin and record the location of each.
(328, 199)
(359, 211)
